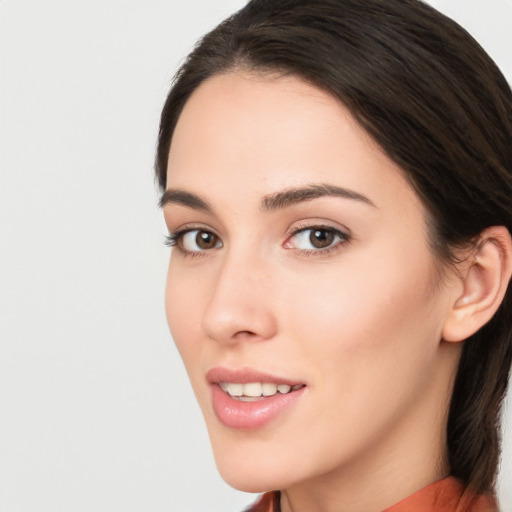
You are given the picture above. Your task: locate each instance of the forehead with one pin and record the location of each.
(267, 134)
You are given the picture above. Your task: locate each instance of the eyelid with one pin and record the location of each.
(318, 223)
(185, 228)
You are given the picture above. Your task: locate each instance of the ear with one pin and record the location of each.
(484, 279)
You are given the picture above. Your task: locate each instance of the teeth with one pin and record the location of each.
(253, 390)
(269, 389)
(235, 389)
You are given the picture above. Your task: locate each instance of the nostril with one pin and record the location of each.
(245, 334)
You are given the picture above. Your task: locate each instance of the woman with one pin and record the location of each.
(336, 181)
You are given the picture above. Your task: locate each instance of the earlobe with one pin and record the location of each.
(485, 279)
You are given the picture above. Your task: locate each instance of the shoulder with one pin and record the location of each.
(447, 495)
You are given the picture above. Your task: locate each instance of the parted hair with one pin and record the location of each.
(438, 106)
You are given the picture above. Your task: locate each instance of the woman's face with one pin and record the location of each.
(301, 261)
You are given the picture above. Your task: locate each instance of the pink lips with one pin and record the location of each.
(249, 415)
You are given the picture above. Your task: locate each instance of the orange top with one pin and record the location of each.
(443, 496)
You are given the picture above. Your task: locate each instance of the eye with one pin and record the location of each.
(194, 240)
(316, 239)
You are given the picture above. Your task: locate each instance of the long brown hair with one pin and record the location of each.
(437, 104)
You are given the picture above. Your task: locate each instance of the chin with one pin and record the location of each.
(250, 478)
(249, 484)
(251, 467)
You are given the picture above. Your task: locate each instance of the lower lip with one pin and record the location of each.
(251, 415)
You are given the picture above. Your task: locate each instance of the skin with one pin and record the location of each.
(360, 322)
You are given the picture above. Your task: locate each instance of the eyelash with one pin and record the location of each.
(173, 240)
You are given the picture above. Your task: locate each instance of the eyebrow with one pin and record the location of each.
(292, 196)
(271, 202)
(177, 196)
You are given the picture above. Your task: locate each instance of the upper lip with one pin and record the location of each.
(245, 375)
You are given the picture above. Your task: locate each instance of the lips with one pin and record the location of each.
(246, 399)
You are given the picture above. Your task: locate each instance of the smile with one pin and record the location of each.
(256, 391)
(248, 399)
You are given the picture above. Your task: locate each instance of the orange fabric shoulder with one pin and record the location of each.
(446, 495)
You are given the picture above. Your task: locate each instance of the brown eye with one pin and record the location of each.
(198, 240)
(316, 239)
(206, 240)
(321, 238)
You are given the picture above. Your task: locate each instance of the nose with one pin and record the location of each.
(240, 306)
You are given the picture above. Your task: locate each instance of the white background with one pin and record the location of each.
(96, 413)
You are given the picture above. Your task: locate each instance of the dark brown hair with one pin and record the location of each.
(436, 103)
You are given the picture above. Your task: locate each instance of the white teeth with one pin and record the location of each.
(269, 389)
(252, 389)
(235, 389)
(256, 389)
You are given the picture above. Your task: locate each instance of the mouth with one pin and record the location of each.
(256, 391)
(246, 399)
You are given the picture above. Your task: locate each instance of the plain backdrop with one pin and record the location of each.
(96, 413)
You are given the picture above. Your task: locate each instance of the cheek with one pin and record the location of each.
(367, 336)
(370, 324)
(183, 297)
